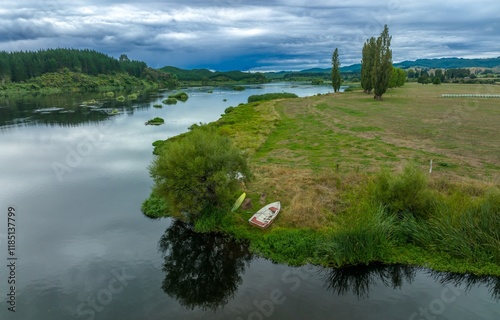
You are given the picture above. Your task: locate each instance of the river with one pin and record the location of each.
(74, 177)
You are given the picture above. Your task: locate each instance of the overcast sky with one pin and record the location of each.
(252, 35)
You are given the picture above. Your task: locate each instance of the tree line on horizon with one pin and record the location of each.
(206, 76)
(24, 65)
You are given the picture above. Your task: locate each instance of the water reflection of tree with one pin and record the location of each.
(201, 270)
(31, 110)
(469, 281)
(359, 280)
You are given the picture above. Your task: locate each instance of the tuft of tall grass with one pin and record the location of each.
(473, 235)
(361, 241)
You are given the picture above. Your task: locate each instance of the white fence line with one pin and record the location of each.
(471, 95)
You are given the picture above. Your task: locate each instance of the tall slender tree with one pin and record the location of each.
(367, 65)
(336, 79)
(382, 64)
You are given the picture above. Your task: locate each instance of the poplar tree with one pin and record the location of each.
(367, 65)
(376, 64)
(336, 79)
(382, 64)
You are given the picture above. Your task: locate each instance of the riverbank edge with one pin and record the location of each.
(297, 246)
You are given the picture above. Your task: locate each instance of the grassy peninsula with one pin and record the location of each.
(353, 177)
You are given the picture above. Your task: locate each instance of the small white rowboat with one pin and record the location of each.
(265, 216)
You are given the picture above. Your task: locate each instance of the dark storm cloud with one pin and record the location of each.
(264, 35)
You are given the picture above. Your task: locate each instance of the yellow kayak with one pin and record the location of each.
(238, 202)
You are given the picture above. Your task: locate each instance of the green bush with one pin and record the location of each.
(120, 99)
(198, 172)
(158, 106)
(270, 96)
(239, 88)
(405, 193)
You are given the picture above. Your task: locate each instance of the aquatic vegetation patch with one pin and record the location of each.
(170, 101)
(155, 121)
(181, 96)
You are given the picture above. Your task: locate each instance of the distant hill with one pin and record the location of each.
(450, 63)
(68, 69)
(24, 65)
(207, 75)
(442, 63)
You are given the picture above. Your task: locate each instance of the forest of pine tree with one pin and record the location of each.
(22, 66)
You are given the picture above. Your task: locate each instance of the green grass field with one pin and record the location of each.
(412, 123)
(353, 177)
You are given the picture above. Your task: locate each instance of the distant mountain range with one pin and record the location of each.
(442, 63)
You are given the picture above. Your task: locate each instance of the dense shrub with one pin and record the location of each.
(404, 193)
(198, 172)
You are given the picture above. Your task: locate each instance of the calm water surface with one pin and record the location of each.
(77, 177)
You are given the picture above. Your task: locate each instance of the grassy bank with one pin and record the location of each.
(353, 178)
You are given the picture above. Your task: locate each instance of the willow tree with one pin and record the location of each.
(198, 173)
(382, 64)
(336, 80)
